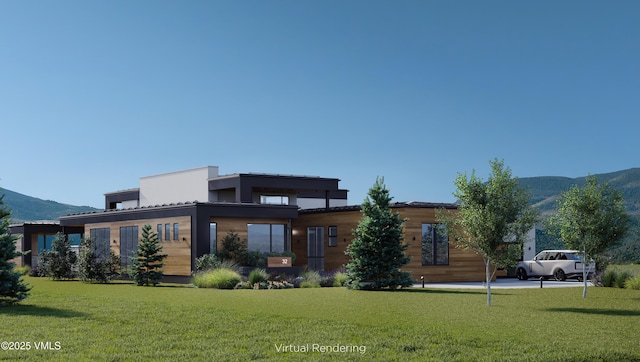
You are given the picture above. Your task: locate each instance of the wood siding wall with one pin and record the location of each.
(463, 265)
(179, 260)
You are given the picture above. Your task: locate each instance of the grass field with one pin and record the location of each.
(120, 322)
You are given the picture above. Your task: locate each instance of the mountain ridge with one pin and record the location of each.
(544, 191)
(26, 208)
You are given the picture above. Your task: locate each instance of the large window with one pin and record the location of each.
(100, 239)
(45, 242)
(128, 244)
(435, 244)
(266, 237)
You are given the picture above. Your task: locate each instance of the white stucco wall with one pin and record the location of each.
(180, 186)
(130, 204)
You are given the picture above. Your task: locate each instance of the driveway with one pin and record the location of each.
(506, 283)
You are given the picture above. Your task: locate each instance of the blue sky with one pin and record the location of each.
(95, 94)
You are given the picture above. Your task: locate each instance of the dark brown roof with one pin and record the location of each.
(395, 205)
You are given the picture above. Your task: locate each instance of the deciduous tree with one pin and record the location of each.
(591, 219)
(492, 219)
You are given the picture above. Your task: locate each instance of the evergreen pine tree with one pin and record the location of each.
(146, 264)
(378, 252)
(12, 288)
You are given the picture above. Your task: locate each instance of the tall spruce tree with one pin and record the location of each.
(12, 288)
(378, 250)
(146, 264)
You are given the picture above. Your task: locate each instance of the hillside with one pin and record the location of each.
(546, 189)
(544, 193)
(27, 208)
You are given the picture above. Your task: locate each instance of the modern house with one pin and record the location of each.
(191, 210)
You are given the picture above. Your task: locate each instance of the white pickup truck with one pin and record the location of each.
(561, 264)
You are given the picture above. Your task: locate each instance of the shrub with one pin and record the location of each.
(260, 285)
(256, 259)
(297, 281)
(22, 270)
(233, 248)
(311, 276)
(622, 278)
(207, 262)
(310, 284)
(339, 279)
(242, 285)
(633, 283)
(220, 278)
(96, 268)
(258, 276)
(37, 271)
(609, 278)
(279, 285)
(59, 262)
(326, 281)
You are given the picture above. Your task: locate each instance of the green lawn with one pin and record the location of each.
(119, 322)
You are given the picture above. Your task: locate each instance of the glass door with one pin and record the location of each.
(315, 248)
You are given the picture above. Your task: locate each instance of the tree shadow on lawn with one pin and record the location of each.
(612, 312)
(35, 310)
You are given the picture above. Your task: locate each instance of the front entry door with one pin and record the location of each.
(315, 248)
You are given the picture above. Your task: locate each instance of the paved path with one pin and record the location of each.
(506, 283)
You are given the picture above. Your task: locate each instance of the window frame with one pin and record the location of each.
(270, 237)
(159, 231)
(332, 236)
(437, 240)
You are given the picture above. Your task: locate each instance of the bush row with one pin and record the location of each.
(213, 273)
(620, 279)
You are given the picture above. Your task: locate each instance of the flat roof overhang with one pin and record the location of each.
(188, 209)
(112, 198)
(246, 184)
